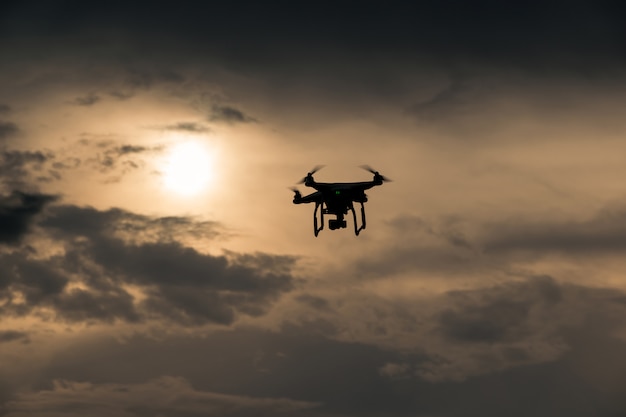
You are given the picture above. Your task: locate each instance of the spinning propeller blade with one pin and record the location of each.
(313, 171)
(373, 171)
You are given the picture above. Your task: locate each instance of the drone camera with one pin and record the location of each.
(336, 224)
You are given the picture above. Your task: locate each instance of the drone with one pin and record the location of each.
(336, 198)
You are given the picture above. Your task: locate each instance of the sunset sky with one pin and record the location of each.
(152, 262)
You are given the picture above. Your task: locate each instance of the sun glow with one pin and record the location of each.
(188, 168)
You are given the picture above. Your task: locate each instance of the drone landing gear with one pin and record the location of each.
(315, 228)
(357, 230)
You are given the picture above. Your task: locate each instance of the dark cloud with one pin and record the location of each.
(191, 127)
(126, 149)
(18, 212)
(41, 288)
(116, 159)
(313, 301)
(16, 160)
(121, 95)
(87, 221)
(139, 80)
(13, 335)
(190, 287)
(88, 100)
(499, 314)
(7, 129)
(229, 114)
(37, 280)
(432, 245)
(105, 250)
(603, 233)
(171, 77)
(20, 169)
(357, 379)
(455, 104)
(142, 80)
(451, 245)
(80, 305)
(162, 396)
(5, 109)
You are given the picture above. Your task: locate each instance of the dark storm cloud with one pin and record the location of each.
(107, 249)
(228, 114)
(5, 109)
(88, 100)
(18, 212)
(7, 129)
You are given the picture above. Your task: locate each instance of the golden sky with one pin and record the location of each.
(152, 261)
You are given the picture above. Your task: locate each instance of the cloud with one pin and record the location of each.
(359, 379)
(190, 127)
(136, 80)
(88, 100)
(4, 108)
(187, 286)
(7, 336)
(453, 101)
(18, 212)
(7, 129)
(315, 302)
(605, 232)
(228, 114)
(106, 251)
(246, 361)
(115, 158)
(457, 246)
(498, 314)
(165, 395)
(21, 169)
(126, 149)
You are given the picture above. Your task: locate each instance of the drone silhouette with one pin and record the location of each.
(337, 198)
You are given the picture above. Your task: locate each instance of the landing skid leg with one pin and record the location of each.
(315, 229)
(357, 229)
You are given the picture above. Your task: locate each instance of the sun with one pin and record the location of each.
(187, 168)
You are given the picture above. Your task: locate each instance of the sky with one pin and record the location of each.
(152, 262)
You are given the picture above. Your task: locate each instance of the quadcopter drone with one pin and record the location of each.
(337, 198)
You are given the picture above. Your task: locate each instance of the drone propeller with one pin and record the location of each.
(313, 171)
(295, 190)
(373, 171)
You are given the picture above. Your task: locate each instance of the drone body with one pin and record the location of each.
(336, 199)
